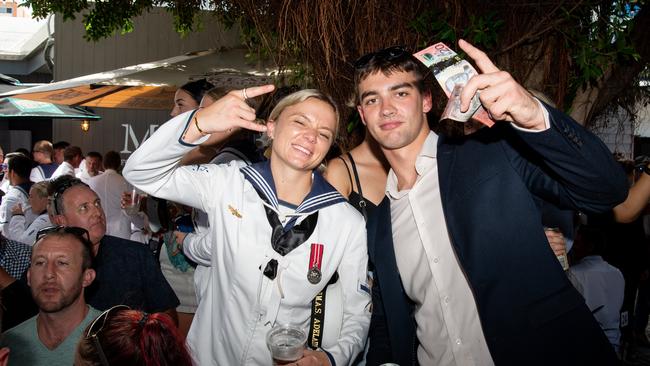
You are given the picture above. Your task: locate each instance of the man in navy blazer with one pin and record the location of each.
(512, 303)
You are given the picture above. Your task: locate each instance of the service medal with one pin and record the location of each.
(314, 276)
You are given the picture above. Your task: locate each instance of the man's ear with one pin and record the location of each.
(427, 103)
(270, 128)
(58, 220)
(89, 277)
(29, 276)
(363, 118)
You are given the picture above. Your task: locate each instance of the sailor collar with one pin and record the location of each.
(321, 195)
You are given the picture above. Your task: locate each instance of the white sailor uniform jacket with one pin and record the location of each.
(242, 304)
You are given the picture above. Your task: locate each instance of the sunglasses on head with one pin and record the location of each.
(61, 189)
(97, 326)
(387, 54)
(79, 232)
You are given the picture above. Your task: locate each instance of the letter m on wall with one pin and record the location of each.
(129, 135)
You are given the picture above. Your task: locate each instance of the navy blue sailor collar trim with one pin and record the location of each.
(322, 193)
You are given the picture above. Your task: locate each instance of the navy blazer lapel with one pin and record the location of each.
(445, 159)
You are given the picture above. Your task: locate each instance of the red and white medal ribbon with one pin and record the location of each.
(315, 261)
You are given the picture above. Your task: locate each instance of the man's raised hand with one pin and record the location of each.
(500, 94)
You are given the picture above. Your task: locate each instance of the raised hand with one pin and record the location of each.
(230, 112)
(500, 94)
(17, 209)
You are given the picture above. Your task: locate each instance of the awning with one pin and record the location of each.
(151, 85)
(16, 108)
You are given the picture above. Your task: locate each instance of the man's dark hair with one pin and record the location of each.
(94, 154)
(21, 165)
(387, 61)
(57, 188)
(70, 152)
(60, 145)
(197, 89)
(22, 150)
(112, 160)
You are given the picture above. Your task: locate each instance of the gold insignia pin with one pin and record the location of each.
(234, 212)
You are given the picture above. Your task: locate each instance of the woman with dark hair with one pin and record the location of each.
(189, 95)
(120, 336)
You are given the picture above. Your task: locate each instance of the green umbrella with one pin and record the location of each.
(14, 108)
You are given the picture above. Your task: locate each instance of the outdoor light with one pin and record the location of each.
(85, 126)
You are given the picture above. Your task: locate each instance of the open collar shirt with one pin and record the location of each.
(448, 326)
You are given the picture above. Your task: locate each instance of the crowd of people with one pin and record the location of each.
(413, 247)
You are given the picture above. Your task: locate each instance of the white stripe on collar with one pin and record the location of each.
(321, 195)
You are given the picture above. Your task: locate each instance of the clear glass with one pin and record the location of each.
(134, 205)
(286, 343)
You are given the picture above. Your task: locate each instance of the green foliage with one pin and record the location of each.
(435, 26)
(483, 30)
(599, 38)
(68, 8)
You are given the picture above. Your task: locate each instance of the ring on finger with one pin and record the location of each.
(243, 93)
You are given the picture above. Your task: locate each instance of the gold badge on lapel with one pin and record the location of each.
(234, 212)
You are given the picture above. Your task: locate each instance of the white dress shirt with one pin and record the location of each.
(64, 169)
(109, 187)
(15, 195)
(448, 325)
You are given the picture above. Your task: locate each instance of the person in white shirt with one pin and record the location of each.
(4, 180)
(72, 157)
(601, 284)
(19, 228)
(463, 236)
(92, 164)
(18, 169)
(267, 221)
(42, 153)
(59, 148)
(109, 186)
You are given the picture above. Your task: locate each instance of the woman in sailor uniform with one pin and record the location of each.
(279, 232)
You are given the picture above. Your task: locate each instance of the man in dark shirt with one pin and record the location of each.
(127, 272)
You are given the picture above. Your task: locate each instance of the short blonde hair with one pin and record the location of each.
(299, 97)
(41, 188)
(44, 147)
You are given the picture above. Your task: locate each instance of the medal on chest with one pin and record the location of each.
(314, 274)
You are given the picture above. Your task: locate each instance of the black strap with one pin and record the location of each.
(318, 316)
(345, 164)
(362, 200)
(284, 241)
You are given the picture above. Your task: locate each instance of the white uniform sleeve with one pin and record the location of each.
(153, 167)
(28, 235)
(353, 274)
(198, 248)
(8, 201)
(36, 175)
(15, 227)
